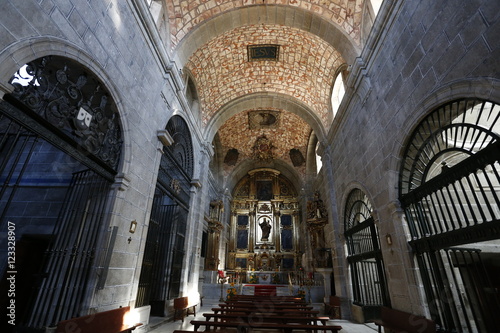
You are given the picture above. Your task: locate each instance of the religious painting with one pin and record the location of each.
(263, 119)
(241, 263)
(297, 157)
(264, 190)
(286, 220)
(242, 239)
(286, 239)
(242, 219)
(263, 149)
(287, 263)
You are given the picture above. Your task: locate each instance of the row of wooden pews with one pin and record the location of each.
(244, 313)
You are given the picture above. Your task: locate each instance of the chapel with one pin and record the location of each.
(152, 150)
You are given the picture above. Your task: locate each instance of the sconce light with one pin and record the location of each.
(388, 239)
(133, 226)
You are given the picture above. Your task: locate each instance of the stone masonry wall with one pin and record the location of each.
(429, 52)
(108, 38)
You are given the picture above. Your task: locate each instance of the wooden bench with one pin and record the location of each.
(270, 317)
(266, 306)
(182, 308)
(235, 298)
(243, 326)
(400, 321)
(258, 298)
(332, 308)
(289, 312)
(111, 321)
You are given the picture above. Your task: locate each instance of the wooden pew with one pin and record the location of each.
(111, 321)
(243, 326)
(273, 299)
(332, 308)
(297, 312)
(265, 306)
(269, 317)
(257, 298)
(182, 308)
(400, 321)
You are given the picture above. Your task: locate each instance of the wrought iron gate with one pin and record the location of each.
(69, 260)
(160, 278)
(449, 183)
(365, 256)
(163, 255)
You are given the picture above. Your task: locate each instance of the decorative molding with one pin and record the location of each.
(72, 102)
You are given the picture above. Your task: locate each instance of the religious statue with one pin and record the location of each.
(266, 229)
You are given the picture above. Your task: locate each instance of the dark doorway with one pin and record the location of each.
(25, 276)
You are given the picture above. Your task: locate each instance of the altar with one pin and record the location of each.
(264, 277)
(265, 289)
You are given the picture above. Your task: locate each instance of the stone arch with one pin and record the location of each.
(182, 146)
(482, 88)
(317, 25)
(447, 179)
(479, 87)
(243, 168)
(255, 101)
(26, 50)
(72, 119)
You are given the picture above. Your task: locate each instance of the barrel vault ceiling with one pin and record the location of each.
(277, 103)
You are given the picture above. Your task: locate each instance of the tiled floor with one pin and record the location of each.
(169, 327)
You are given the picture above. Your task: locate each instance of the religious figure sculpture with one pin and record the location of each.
(266, 229)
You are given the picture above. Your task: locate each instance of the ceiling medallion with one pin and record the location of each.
(263, 149)
(263, 119)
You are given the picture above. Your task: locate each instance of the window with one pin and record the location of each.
(338, 92)
(319, 163)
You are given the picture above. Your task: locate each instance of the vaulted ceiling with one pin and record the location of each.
(283, 99)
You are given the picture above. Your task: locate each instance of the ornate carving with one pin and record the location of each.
(263, 149)
(264, 208)
(74, 101)
(317, 218)
(175, 185)
(316, 209)
(215, 226)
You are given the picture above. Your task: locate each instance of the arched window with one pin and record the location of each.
(338, 92)
(319, 162)
(364, 255)
(449, 190)
(192, 98)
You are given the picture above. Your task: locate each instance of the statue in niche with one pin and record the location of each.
(266, 229)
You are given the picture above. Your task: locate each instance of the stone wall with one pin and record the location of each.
(110, 39)
(421, 54)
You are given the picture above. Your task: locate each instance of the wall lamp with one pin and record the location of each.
(131, 229)
(133, 226)
(388, 239)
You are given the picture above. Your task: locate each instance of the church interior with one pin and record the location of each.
(345, 152)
